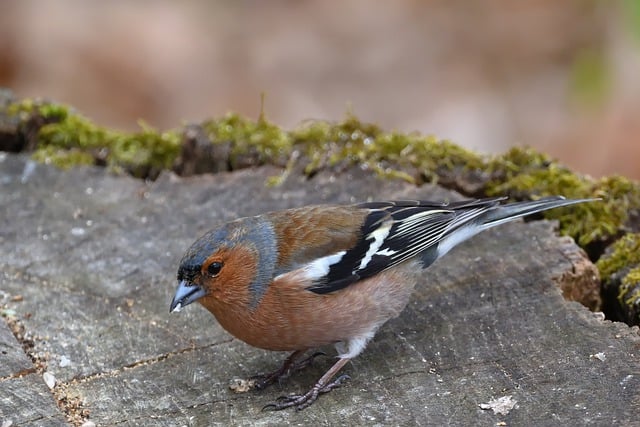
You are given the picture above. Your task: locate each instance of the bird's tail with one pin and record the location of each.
(505, 213)
(470, 223)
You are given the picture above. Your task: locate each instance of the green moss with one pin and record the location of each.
(620, 272)
(144, 153)
(633, 277)
(23, 108)
(630, 288)
(326, 144)
(66, 138)
(629, 295)
(430, 156)
(64, 159)
(525, 172)
(72, 131)
(53, 111)
(623, 254)
(390, 154)
(261, 137)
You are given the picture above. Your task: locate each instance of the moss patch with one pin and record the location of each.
(266, 141)
(65, 138)
(629, 294)
(523, 172)
(622, 254)
(620, 269)
(412, 157)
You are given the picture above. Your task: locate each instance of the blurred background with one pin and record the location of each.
(561, 76)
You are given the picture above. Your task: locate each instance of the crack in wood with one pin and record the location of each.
(19, 374)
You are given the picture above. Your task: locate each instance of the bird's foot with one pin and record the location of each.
(289, 366)
(302, 401)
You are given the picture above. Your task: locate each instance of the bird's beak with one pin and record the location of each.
(186, 294)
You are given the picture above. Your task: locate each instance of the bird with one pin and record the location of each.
(302, 278)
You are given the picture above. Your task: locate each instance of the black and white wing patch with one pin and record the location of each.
(393, 232)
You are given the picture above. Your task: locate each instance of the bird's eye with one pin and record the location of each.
(214, 268)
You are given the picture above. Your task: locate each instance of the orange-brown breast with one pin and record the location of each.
(292, 318)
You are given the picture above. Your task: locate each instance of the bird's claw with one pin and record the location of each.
(262, 381)
(302, 401)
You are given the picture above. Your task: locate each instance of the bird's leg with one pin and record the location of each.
(291, 364)
(324, 385)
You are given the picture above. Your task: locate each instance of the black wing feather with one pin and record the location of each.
(414, 227)
(343, 273)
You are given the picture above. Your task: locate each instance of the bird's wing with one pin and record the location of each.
(391, 233)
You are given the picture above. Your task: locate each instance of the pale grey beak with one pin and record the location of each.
(186, 294)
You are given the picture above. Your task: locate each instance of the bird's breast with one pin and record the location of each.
(289, 317)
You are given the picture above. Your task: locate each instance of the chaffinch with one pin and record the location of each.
(301, 278)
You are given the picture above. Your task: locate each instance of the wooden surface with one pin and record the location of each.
(88, 265)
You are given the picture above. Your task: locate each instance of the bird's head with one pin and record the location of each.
(233, 264)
